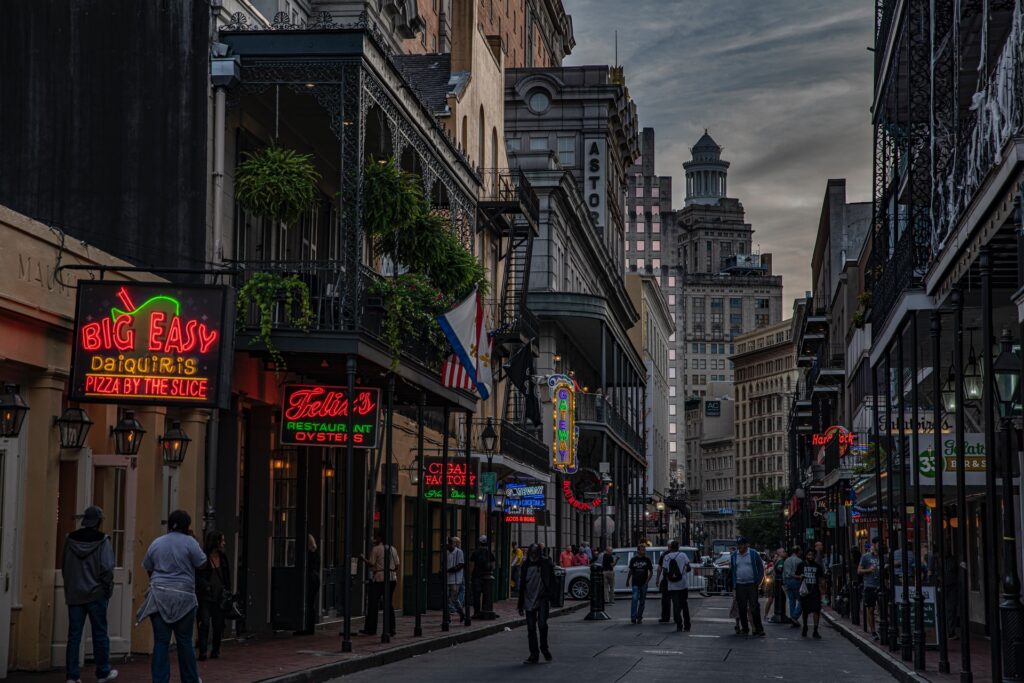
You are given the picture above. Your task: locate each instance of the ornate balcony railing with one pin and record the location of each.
(597, 408)
(904, 269)
(996, 116)
(330, 288)
(510, 187)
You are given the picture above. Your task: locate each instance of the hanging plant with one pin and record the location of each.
(276, 183)
(411, 307)
(268, 290)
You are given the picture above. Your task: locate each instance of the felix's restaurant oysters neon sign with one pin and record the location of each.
(317, 415)
(150, 343)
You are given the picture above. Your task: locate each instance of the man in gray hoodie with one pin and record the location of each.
(88, 571)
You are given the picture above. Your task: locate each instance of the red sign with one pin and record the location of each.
(317, 415)
(844, 437)
(434, 478)
(581, 505)
(520, 519)
(150, 343)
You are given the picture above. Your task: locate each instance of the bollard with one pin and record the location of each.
(488, 597)
(596, 612)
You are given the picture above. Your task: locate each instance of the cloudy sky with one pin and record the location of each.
(783, 85)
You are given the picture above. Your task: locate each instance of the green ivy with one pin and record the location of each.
(276, 183)
(266, 290)
(401, 225)
(411, 306)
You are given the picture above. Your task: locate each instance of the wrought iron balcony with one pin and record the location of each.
(338, 304)
(903, 270)
(507, 191)
(598, 409)
(513, 442)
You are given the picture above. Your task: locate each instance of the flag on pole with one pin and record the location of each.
(470, 366)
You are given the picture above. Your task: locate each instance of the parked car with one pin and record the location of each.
(577, 579)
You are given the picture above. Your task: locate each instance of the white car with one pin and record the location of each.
(577, 579)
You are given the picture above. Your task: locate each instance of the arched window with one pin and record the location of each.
(480, 140)
(465, 134)
(494, 148)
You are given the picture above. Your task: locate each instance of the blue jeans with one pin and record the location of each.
(182, 630)
(97, 613)
(793, 593)
(636, 605)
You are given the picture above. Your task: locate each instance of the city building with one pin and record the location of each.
(711, 466)
(573, 132)
(766, 376)
(650, 338)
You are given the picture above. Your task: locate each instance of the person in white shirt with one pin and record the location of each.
(674, 565)
(456, 569)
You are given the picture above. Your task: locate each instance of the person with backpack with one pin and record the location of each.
(746, 577)
(537, 587)
(674, 566)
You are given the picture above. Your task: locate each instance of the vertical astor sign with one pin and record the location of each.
(152, 343)
(563, 414)
(318, 415)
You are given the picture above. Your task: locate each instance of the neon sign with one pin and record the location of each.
(581, 505)
(317, 415)
(842, 435)
(151, 343)
(520, 519)
(563, 416)
(524, 498)
(434, 478)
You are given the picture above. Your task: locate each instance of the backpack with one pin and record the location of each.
(674, 573)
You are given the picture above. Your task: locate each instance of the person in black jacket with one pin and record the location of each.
(536, 587)
(213, 581)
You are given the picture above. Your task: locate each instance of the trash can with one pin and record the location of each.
(559, 601)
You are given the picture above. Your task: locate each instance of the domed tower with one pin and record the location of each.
(705, 172)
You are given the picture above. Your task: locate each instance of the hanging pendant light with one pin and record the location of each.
(128, 434)
(1006, 372)
(73, 426)
(949, 391)
(12, 412)
(972, 376)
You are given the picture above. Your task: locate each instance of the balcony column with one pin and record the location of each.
(906, 650)
(918, 633)
(889, 638)
(963, 581)
(883, 614)
(940, 537)
(604, 435)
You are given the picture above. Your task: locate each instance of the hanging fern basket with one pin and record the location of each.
(276, 183)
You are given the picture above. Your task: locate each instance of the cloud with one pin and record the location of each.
(783, 85)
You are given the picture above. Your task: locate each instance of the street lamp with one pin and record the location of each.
(73, 426)
(12, 412)
(972, 376)
(174, 444)
(489, 439)
(1006, 371)
(128, 434)
(949, 391)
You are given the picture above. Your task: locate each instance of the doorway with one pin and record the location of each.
(9, 488)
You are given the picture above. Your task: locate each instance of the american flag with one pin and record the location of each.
(455, 376)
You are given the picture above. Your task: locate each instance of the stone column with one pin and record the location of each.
(32, 625)
(192, 472)
(149, 512)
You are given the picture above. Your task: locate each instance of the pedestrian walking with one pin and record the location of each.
(607, 560)
(88, 571)
(536, 592)
(171, 602)
(213, 580)
(773, 577)
(674, 566)
(792, 584)
(579, 558)
(812, 577)
(377, 586)
(516, 561)
(666, 598)
(747, 575)
(639, 575)
(456, 564)
(565, 558)
(481, 564)
(587, 551)
(867, 569)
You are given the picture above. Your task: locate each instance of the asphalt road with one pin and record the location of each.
(651, 652)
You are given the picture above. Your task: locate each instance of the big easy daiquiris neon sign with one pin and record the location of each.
(154, 343)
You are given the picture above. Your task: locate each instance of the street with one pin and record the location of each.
(619, 651)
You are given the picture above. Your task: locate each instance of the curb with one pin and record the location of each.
(350, 666)
(893, 665)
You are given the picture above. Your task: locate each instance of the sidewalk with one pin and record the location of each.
(904, 670)
(318, 657)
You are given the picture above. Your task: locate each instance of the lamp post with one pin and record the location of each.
(12, 412)
(1006, 374)
(489, 439)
